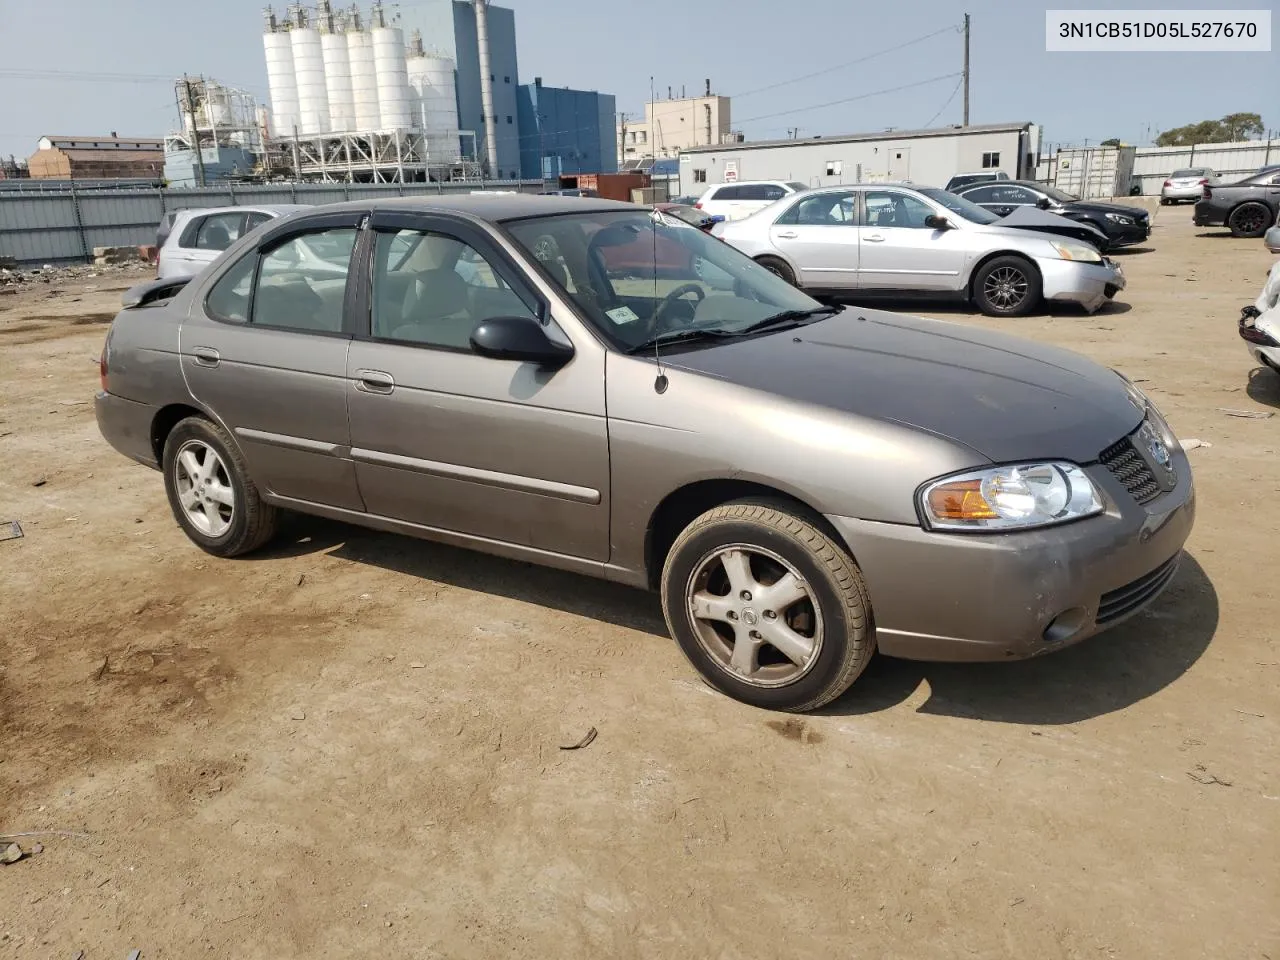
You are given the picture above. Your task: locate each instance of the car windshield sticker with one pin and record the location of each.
(622, 315)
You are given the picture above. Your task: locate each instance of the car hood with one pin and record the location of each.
(1033, 218)
(1004, 397)
(1093, 206)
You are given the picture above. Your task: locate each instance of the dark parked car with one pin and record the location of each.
(804, 484)
(1122, 225)
(1247, 207)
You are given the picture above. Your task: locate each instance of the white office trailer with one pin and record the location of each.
(922, 157)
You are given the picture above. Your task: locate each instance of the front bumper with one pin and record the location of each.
(126, 425)
(1262, 337)
(1125, 235)
(1088, 284)
(968, 597)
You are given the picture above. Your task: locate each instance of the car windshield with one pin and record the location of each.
(640, 274)
(1053, 193)
(960, 206)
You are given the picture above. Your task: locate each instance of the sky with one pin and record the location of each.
(124, 54)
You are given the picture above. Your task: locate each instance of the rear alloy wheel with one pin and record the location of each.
(767, 607)
(1249, 220)
(1006, 287)
(778, 268)
(210, 493)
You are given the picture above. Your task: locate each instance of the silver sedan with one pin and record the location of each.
(1187, 184)
(892, 238)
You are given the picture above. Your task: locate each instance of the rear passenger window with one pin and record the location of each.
(434, 290)
(257, 219)
(770, 192)
(302, 283)
(229, 298)
(219, 231)
(727, 193)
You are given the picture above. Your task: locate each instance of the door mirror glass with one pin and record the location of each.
(1044, 203)
(519, 338)
(937, 223)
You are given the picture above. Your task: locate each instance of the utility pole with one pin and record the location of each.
(297, 156)
(195, 128)
(622, 138)
(652, 123)
(966, 69)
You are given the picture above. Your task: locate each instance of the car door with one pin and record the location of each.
(443, 438)
(819, 236)
(265, 351)
(897, 250)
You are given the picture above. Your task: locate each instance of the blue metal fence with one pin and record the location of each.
(64, 226)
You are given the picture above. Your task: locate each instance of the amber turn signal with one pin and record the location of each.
(961, 500)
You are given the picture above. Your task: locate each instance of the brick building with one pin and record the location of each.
(90, 158)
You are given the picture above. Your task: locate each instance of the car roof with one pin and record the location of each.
(491, 207)
(279, 209)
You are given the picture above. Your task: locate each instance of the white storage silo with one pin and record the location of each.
(337, 78)
(281, 83)
(436, 100)
(364, 81)
(308, 69)
(393, 80)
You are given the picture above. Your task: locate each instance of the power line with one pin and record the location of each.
(952, 28)
(954, 91)
(861, 96)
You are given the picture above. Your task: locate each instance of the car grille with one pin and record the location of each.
(1116, 603)
(1127, 466)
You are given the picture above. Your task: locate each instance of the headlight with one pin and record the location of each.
(1120, 218)
(1076, 251)
(1143, 403)
(1010, 498)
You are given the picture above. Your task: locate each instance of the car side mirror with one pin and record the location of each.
(1044, 203)
(935, 222)
(519, 338)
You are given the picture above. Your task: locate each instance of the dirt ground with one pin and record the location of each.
(350, 745)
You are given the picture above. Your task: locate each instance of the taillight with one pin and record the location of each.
(698, 205)
(102, 363)
(1207, 193)
(1203, 182)
(1168, 183)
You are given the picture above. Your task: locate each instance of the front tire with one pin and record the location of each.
(1007, 286)
(212, 497)
(779, 269)
(1249, 220)
(767, 607)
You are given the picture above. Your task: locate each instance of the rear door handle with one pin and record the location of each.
(375, 381)
(874, 238)
(787, 234)
(206, 356)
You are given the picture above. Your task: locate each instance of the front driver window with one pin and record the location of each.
(433, 289)
(890, 209)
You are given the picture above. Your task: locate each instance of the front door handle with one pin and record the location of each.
(874, 238)
(375, 381)
(787, 234)
(206, 356)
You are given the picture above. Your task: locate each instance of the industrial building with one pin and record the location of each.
(349, 100)
(925, 157)
(225, 124)
(564, 131)
(674, 124)
(91, 158)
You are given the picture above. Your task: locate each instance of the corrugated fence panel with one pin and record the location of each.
(66, 225)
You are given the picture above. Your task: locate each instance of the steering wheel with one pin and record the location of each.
(657, 325)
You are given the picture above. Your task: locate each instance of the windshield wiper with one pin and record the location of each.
(683, 336)
(788, 317)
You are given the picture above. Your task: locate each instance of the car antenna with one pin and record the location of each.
(660, 382)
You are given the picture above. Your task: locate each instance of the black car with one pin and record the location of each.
(1248, 207)
(1122, 225)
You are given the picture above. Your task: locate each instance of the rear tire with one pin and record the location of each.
(1250, 220)
(212, 497)
(748, 573)
(779, 269)
(1007, 286)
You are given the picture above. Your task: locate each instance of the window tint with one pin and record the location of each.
(257, 219)
(888, 209)
(303, 282)
(219, 231)
(229, 298)
(824, 209)
(433, 289)
(727, 193)
(1014, 195)
(980, 195)
(771, 192)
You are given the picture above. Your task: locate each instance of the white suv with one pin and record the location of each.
(196, 238)
(733, 201)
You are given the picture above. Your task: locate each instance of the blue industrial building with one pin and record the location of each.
(565, 131)
(449, 28)
(220, 163)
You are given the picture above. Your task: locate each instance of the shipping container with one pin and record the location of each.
(611, 186)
